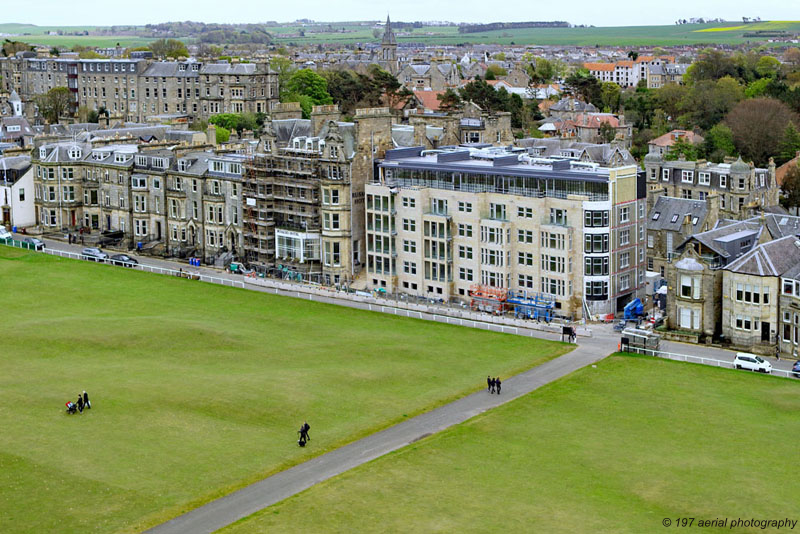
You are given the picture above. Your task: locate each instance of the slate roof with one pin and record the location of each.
(770, 259)
(780, 225)
(721, 230)
(229, 68)
(672, 211)
(287, 129)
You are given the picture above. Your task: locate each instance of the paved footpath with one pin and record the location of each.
(226, 510)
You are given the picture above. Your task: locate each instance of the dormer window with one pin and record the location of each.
(334, 152)
(120, 158)
(42, 152)
(183, 165)
(74, 152)
(160, 163)
(141, 161)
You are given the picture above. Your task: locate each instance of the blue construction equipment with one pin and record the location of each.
(634, 309)
(531, 305)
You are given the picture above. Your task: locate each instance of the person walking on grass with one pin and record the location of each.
(80, 403)
(497, 384)
(86, 403)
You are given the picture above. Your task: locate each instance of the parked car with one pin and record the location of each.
(123, 260)
(745, 360)
(5, 234)
(796, 369)
(94, 254)
(37, 244)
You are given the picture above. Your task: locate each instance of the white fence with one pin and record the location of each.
(699, 359)
(194, 275)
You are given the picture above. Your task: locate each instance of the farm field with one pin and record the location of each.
(198, 389)
(612, 449)
(353, 32)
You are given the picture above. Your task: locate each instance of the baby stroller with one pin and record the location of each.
(302, 441)
(72, 407)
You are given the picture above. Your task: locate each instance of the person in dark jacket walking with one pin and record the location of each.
(306, 427)
(497, 384)
(489, 384)
(86, 402)
(80, 403)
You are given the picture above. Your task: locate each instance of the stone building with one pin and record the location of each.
(789, 308)
(751, 286)
(135, 89)
(177, 202)
(433, 76)
(673, 220)
(438, 224)
(694, 274)
(742, 188)
(304, 194)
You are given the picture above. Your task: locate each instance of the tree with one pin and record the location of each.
(792, 56)
(707, 102)
(669, 98)
(168, 48)
(55, 52)
(610, 95)
(789, 145)
(757, 88)
(582, 83)
(449, 100)
(309, 83)
(768, 67)
(684, 148)
(719, 143)
(223, 135)
(54, 103)
(607, 133)
(283, 66)
(791, 187)
(633, 55)
(495, 71)
(758, 127)
(10, 48)
(711, 65)
(482, 94)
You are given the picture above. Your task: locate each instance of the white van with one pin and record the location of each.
(5, 234)
(752, 362)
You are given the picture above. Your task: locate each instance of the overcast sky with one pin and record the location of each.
(597, 12)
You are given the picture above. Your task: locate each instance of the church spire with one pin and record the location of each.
(388, 34)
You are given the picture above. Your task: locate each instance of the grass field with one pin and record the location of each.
(197, 389)
(612, 449)
(685, 34)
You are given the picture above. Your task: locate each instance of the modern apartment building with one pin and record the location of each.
(440, 222)
(135, 89)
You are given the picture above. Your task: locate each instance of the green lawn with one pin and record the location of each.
(612, 449)
(197, 389)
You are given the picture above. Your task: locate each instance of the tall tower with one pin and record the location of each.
(389, 49)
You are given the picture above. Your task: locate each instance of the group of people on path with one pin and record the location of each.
(304, 437)
(494, 384)
(83, 402)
